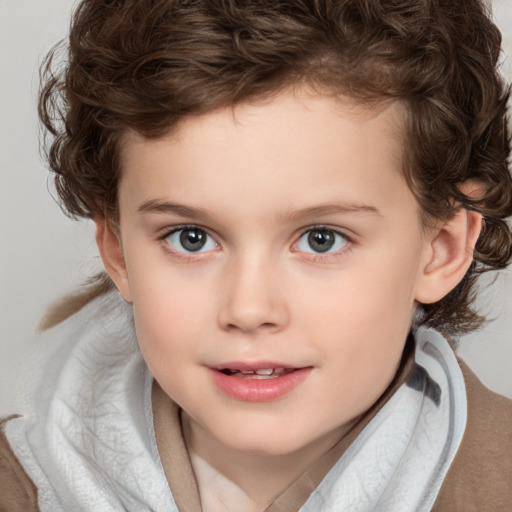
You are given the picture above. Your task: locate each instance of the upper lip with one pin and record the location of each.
(252, 366)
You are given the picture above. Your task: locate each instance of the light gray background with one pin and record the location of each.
(43, 255)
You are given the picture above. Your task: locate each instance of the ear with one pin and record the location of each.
(111, 251)
(448, 255)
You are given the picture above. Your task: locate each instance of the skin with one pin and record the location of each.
(256, 178)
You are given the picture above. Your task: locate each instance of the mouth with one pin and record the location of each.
(264, 373)
(258, 382)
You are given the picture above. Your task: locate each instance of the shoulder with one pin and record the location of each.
(17, 492)
(480, 477)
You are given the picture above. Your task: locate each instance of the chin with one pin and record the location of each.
(267, 447)
(266, 440)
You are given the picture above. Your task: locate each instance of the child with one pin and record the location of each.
(289, 198)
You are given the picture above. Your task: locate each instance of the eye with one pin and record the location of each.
(321, 240)
(190, 240)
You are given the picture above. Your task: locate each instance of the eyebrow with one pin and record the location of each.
(159, 206)
(329, 209)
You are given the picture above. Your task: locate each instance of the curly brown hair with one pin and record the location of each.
(144, 65)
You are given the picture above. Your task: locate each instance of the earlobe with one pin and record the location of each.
(448, 256)
(111, 253)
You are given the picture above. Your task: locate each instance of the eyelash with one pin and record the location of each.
(326, 257)
(312, 256)
(187, 256)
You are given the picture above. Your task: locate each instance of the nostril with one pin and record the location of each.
(245, 327)
(252, 316)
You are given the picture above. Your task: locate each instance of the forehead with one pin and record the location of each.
(291, 104)
(319, 147)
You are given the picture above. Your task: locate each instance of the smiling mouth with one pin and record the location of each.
(268, 373)
(257, 382)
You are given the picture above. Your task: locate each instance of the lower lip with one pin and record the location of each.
(259, 390)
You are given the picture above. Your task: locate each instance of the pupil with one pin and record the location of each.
(192, 239)
(321, 240)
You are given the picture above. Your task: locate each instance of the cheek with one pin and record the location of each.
(169, 320)
(369, 299)
(362, 319)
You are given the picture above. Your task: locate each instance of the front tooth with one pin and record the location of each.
(246, 372)
(265, 372)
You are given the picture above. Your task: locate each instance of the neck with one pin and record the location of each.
(228, 478)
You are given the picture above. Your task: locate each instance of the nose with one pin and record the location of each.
(253, 298)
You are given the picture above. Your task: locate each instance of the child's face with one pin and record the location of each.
(276, 235)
